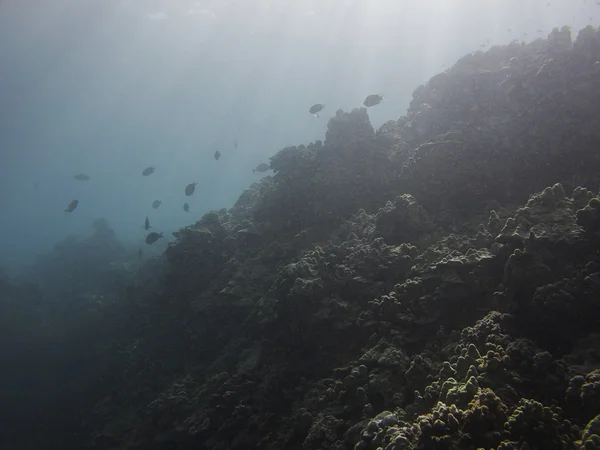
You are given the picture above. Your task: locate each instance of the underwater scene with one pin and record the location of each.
(299, 224)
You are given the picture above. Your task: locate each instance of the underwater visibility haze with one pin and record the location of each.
(269, 224)
(107, 88)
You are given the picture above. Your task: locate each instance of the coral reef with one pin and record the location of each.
(434, 284)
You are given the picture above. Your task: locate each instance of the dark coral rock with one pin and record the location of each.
(589, 217)
(431, 285)
(403, 221)
(538, 425)
(323, 184)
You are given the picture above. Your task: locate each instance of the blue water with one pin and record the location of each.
(110, 87)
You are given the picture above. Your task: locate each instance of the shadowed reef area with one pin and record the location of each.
(434, 284)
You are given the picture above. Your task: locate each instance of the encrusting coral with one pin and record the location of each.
(433, 284)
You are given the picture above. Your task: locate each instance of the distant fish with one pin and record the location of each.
(147, 224)
(148, 171)
(156, 204)
(153, 237)
(81, 177)
(217, 155)
(72, 206)
(262, 167)
(372, 100)
(186, 207)
(190, 188)
(140, 253)
(316, 109)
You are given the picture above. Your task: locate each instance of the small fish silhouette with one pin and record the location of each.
(71, 207)
(148, 171)
(190, 188)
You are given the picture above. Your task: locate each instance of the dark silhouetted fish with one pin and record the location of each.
(372, 100)
(262, 167)
(147, 224)
(148, 171)
(190, 188)
(72, 206)
(217, 155)
(316, 109)
(140, 253)
(153, 237)
(156, 204)
(186, 207)
(81, 177)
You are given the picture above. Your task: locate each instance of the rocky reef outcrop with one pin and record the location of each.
(433, 284)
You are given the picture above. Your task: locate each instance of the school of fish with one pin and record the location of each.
(152, 237)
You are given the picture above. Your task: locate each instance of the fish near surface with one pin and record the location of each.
(190, 188)
(156, 204)
(81, 177)
(372, 100)
(186, 207)
(71, 207)
(147, 224)
(148, 171)
(217, 155)
(316, 109)
(153, 237)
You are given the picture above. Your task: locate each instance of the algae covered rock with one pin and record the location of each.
(403, 221)
(431, 285)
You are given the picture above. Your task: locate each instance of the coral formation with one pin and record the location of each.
(434, 284)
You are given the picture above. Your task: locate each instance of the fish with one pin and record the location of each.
(190, 188)
(373, 99)
(81, 177)
(316, 108)
(156, 204)
(217, 155)
(148, 171)
(153, 237)
(186, 207)
(147, 224)
(140, 253)
(72, 206)
(262, 167)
